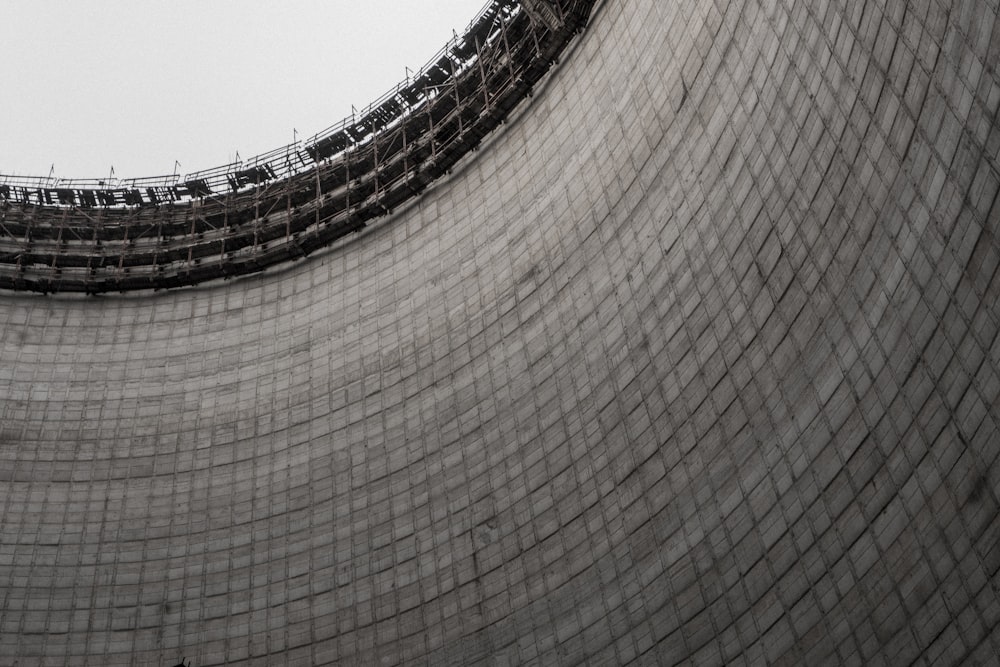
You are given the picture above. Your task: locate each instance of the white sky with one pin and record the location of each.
(138, 84)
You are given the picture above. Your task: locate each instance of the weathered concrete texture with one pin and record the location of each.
(696, 359)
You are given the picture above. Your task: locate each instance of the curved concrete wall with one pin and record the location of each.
(696, 359)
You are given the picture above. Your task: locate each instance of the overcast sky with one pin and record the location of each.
(88, 84)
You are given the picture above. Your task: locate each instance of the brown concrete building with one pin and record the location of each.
(693, 361)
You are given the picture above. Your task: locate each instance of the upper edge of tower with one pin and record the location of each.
(101, 235)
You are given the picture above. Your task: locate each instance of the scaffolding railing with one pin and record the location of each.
(96, 235)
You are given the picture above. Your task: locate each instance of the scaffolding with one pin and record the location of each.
(100, 235)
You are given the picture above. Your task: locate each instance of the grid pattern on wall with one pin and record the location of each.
(697, 359)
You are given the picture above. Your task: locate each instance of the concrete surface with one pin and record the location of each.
(696, 361)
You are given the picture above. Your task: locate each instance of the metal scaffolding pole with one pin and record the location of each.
(545, 12)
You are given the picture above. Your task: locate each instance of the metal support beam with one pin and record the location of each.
(545, 12)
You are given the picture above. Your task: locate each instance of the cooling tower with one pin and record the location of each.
(694, 360)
